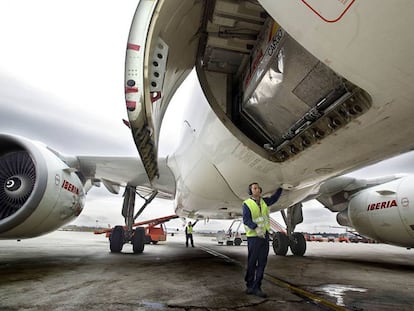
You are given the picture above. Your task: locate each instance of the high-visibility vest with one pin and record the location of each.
(190, 229)
(259, 215)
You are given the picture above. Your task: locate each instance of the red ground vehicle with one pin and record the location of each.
(343, 238)
(316, 238)
(154, 232)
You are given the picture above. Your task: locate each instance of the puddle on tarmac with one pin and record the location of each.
(153, 305)
(338, 291)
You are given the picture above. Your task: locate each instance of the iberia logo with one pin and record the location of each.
(330, 11)
(381, 205)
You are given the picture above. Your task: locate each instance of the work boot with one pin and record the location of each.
(249, 291)
(259, 293)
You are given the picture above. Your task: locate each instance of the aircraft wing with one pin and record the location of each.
(117, 171)
(114, 172)
(336, 193)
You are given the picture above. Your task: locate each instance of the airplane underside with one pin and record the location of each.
(269, 91)
(293, 96)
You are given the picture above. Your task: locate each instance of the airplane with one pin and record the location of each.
(297, 94)
(42, 190)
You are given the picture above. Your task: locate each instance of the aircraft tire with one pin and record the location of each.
(138, 240)
(280, 244)
(297, 244)
(237, 241)
(116, 239)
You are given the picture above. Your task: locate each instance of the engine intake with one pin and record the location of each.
(34, 194)
(17, 180)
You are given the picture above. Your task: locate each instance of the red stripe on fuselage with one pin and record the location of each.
(134, 47)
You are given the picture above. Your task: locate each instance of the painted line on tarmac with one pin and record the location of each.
(219, 255)
(303, 293)
(281, 283)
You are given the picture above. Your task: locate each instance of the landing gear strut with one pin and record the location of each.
(295, 240)
(121, 235)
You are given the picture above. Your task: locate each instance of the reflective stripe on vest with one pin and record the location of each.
(259, 216)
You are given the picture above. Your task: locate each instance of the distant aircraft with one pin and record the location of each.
(298, 92)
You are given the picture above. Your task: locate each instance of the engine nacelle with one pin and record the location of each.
(38, 192)
(384, 213)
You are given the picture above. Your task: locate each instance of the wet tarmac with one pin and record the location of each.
(76, 271)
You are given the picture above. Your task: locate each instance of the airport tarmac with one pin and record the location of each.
(76, 271)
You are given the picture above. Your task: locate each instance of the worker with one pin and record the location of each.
(189, 233)
(257, 225)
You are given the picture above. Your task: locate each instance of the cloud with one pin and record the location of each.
(28, 112)
(403, 163)
(62, 73)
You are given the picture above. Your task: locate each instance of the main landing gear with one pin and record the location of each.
(120, 234)
(295, 240)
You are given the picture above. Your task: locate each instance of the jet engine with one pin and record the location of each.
(38, 192)
(384, 213)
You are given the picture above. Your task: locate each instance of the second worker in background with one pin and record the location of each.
(189, 233)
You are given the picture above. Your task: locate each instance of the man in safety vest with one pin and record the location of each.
(189, 233)
(257, 225)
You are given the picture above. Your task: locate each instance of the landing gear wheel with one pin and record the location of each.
(116, 239)
(297, 244)
(280, 244)
(237, 241)
(138, 240)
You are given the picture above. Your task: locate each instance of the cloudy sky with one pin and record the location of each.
(61, 82)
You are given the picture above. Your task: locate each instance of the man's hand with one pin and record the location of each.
(260, 233)
(286, 186)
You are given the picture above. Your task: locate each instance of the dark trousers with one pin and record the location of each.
(189, 236)
(258, 250)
